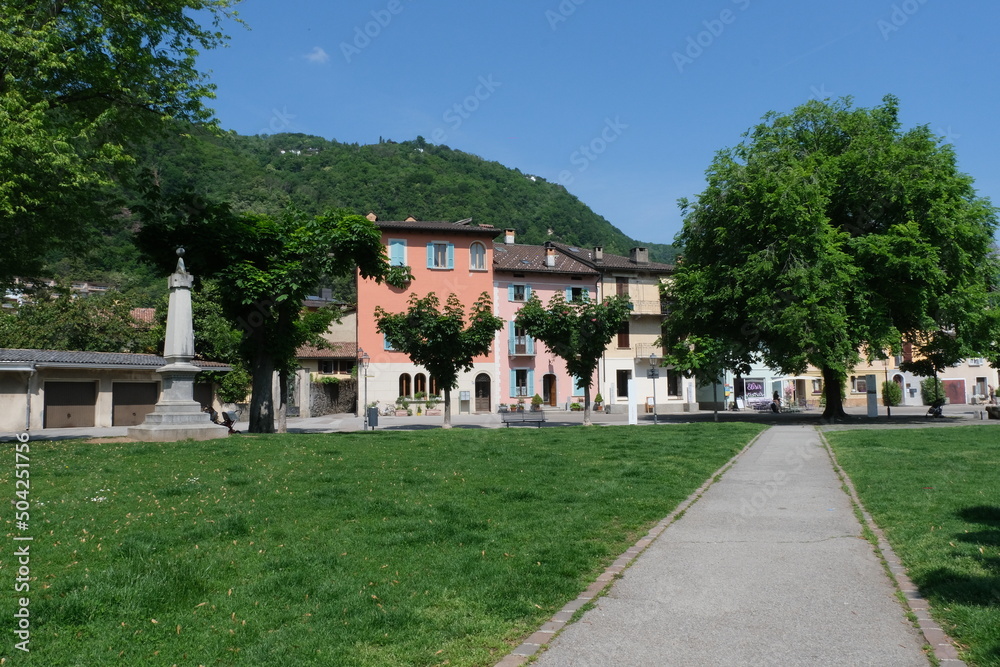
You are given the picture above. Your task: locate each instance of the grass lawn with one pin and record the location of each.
(404, 548)
(936, 494)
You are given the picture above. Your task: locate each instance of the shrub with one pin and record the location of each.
(931, 389)
(892, 393)
(536, 400)
(598, 398)
(576, 407)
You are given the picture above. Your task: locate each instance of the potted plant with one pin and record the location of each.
(402, 407)
(503, 407)
(432, 409)
(598, 402)
(575, 407)
(420, 410)
(520, 404)
(536, 403)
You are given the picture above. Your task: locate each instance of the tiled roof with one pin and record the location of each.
(92, 359)
(336, 351)
(144, 315)
(531, 258)
(612, 261)
(439, 226)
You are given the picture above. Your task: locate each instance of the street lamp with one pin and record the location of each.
(888, 408)
(654, 373)
(364, 361)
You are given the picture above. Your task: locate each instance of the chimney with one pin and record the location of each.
(371, 216)
(508, 236)
(550, 256)
(639, 255)
(598, 255)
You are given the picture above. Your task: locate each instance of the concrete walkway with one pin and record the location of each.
(767, 568)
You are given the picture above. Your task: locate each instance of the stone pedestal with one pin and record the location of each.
(177, 416)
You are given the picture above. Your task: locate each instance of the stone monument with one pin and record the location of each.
(177, 416)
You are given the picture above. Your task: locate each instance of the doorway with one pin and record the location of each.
(549, 396)
(483, 388)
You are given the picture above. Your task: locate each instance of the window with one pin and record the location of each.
(518, 292)
(397, 252)
(578, 386)
(859, 385)
(522, 382)
(342, 366)
(673, 382)
(520, 342)
(386, 345)
(477, 257)
(440, 255)
(621, 286)
(577, 294)
(622, 377)
(817, 386)
(419, 383)
(623, 337)
(405, 388)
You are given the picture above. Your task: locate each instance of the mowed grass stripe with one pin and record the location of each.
(936, 494)
(405, 548)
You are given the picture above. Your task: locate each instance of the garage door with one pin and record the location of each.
(955, 391)
(70, 404)
(132, 401)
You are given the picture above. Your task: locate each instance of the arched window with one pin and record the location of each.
(405, 388)
(477, 257)
(419, 383)
(434, 391)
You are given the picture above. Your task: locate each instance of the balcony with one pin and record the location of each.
(646, 307)
(522, 346)
(644, 350)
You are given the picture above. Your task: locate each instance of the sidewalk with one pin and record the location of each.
(767, 568)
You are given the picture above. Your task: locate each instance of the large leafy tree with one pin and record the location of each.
(80, 83)
(831, 233)
(439, 339)
(264, 267)
(578, 332)
(58, 319)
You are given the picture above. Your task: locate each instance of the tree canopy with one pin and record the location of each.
(439, 338)
(264, 267)
(80, 83)
(578, 332)
(829, 233)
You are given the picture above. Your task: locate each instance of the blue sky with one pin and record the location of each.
(624, 103)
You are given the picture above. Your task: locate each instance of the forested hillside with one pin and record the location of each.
(264, 174)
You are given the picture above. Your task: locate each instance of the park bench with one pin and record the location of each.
(509, 418)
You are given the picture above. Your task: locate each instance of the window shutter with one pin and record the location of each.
(527, 292)
(385, 343)
(511, 338)
(510, 292)
(569, 294)
(531, 382)
(451, 255)
(397, 252)
(531, 344)
(430, 255)
(586, 294)
(513, 383)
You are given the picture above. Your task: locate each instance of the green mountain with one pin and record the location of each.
(264, 174)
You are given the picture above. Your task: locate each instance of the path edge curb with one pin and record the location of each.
(943, 646)
(532, 645)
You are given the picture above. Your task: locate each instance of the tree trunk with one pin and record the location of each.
(262, 402)
(832, 383)
(715, 400)
(586, 406)
(447, 408)
(282, 403)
